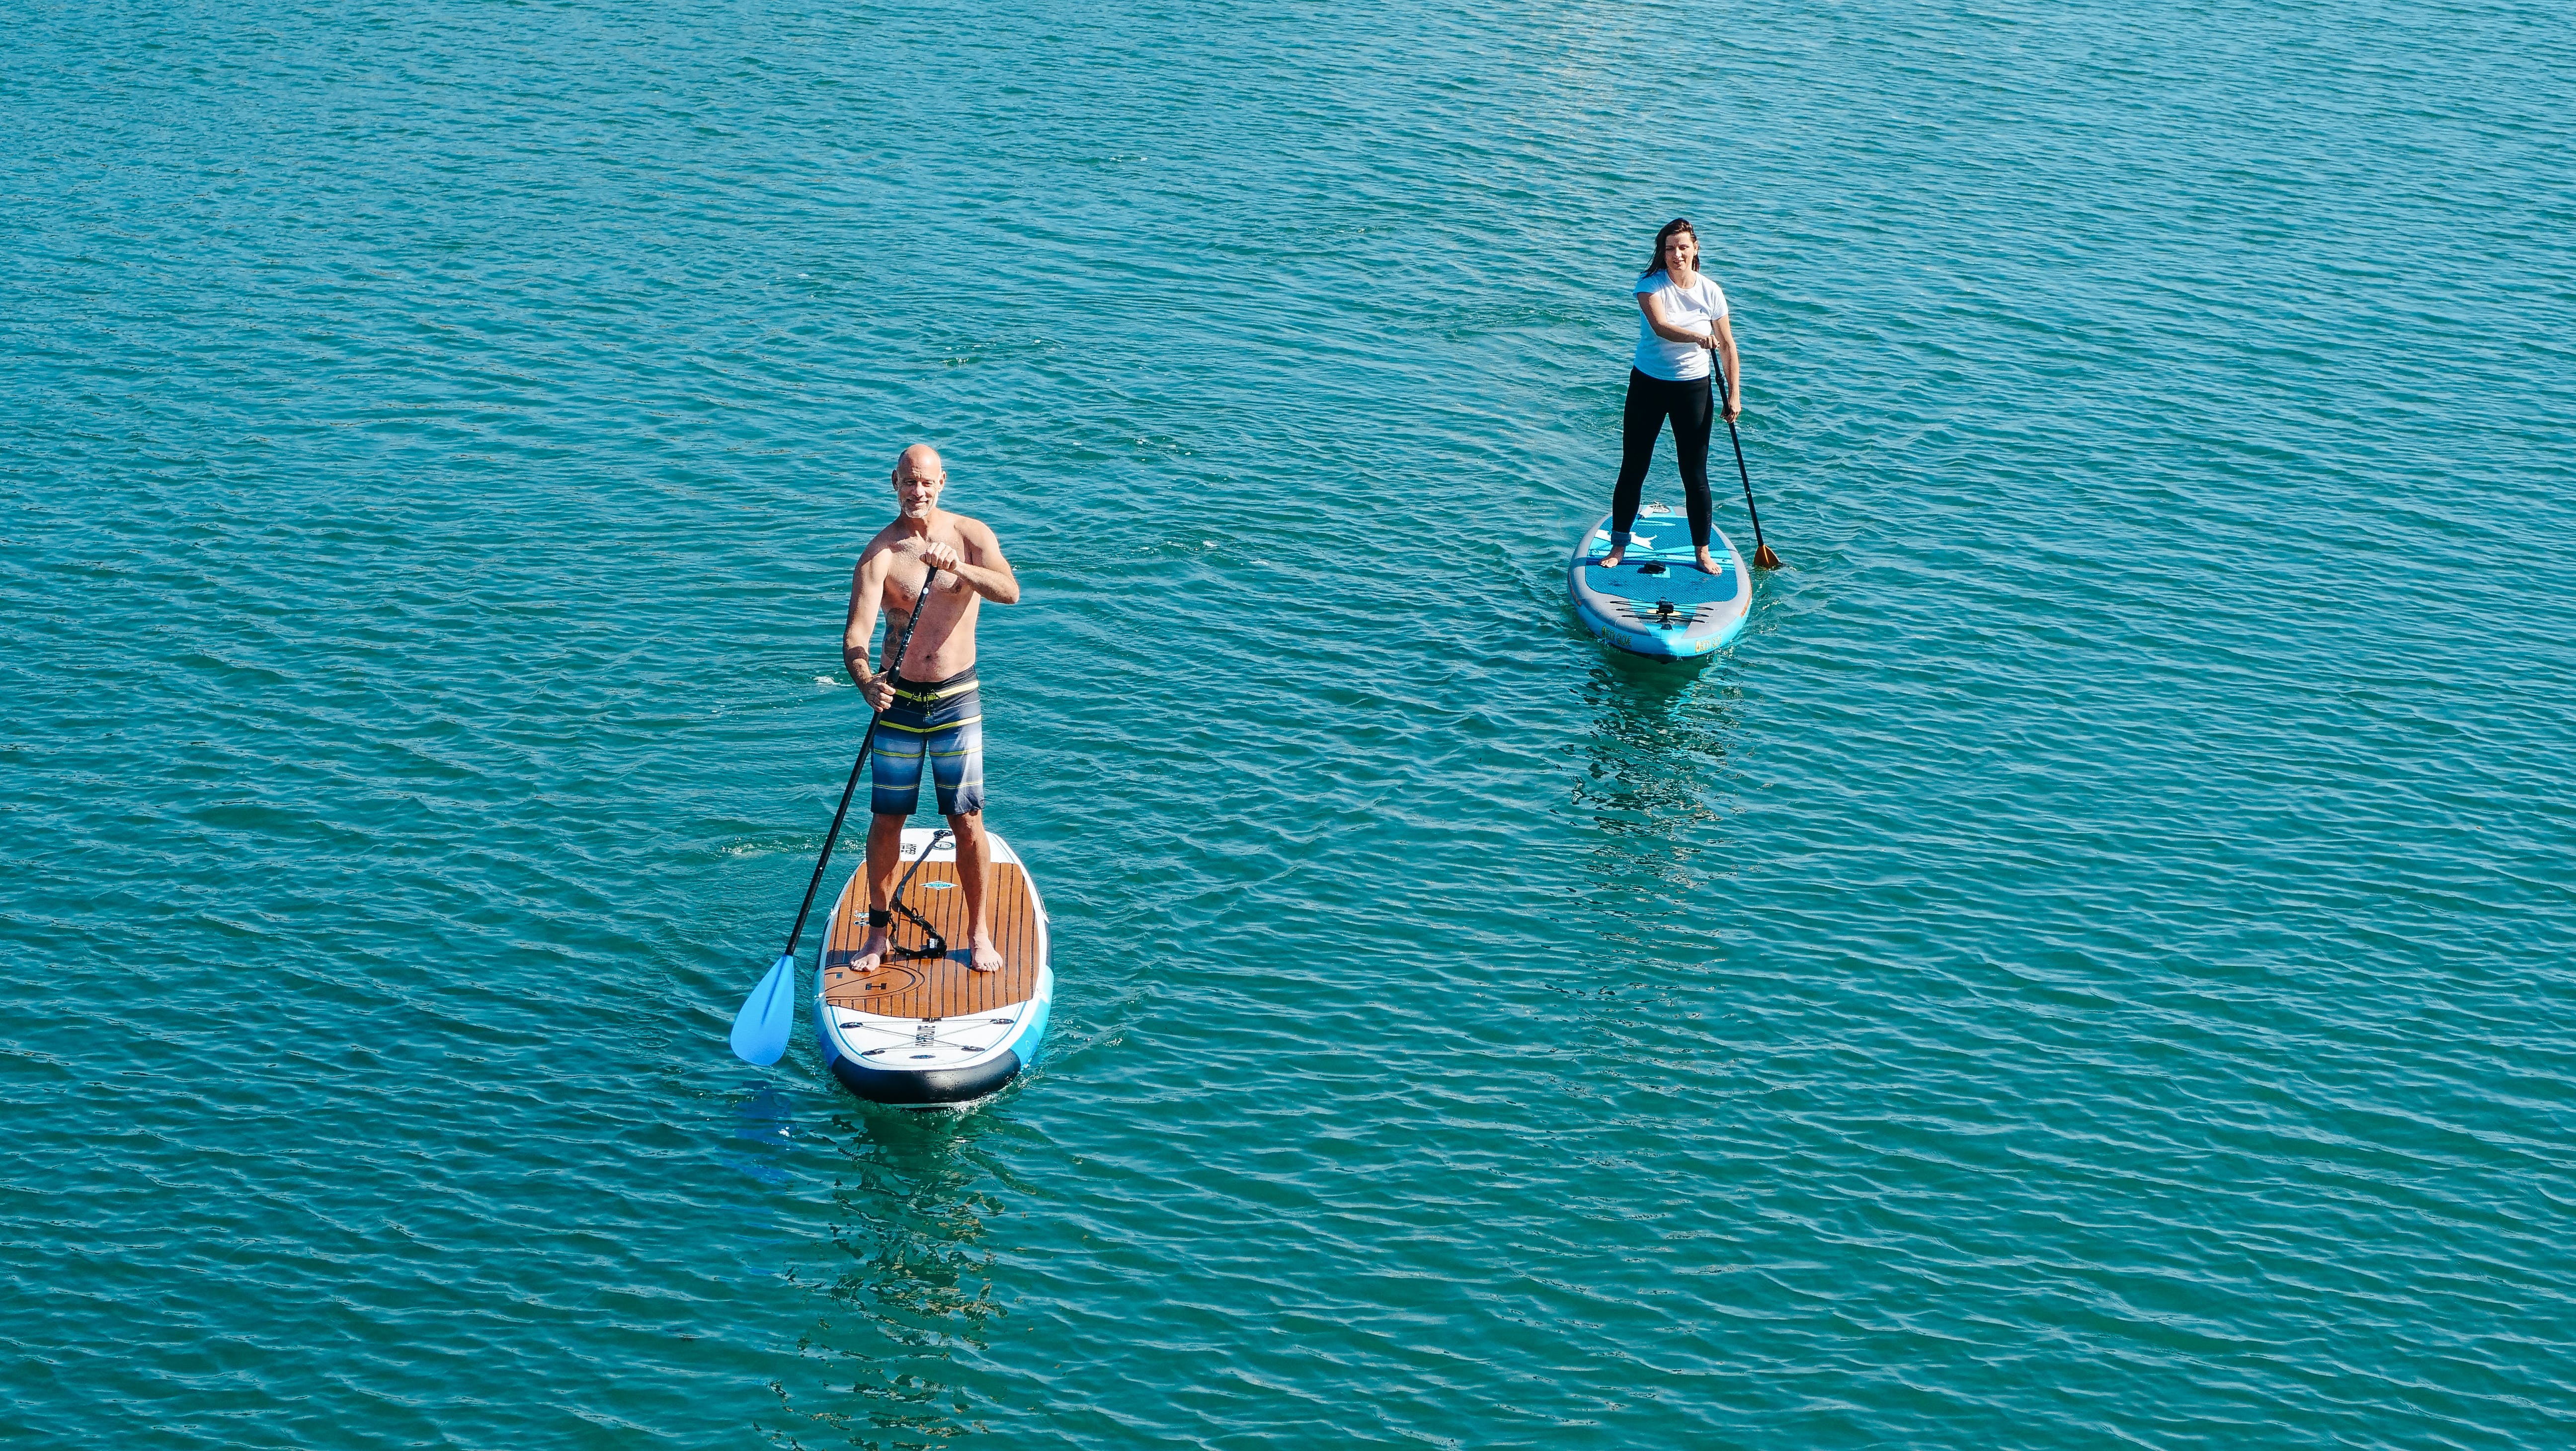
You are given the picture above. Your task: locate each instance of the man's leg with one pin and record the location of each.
(885, 854)
(957, 765)
(974, 867)
(894, 789)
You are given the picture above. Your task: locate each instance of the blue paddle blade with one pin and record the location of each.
(760, 1030)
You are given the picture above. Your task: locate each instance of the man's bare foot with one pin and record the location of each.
(872, 953)
(983, 956)
(1706, 564)
(1611, 560)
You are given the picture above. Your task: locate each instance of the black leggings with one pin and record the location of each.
(1691, 406)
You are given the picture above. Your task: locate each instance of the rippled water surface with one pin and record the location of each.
(2090, 967)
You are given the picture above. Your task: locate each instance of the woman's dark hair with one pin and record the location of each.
(1677, 224)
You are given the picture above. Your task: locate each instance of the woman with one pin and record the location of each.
(1685, 322)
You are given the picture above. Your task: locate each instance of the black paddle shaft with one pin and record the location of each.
(1749, 511)
(902, 648)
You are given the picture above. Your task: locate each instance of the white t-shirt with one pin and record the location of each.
(1692, 309)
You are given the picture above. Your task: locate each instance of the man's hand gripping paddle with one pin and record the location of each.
(760, 1029)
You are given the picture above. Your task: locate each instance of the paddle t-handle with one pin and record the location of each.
(761, 1025)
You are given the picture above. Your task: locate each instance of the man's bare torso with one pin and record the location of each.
(944, 642)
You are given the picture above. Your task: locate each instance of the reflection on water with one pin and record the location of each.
(1653, 766)
(1654, 787)
(763, 1123)
(758, 1146)
(909, 1284)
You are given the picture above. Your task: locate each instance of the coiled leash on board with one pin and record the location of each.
(937, 946)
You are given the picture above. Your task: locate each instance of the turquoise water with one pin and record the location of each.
(2089, 967)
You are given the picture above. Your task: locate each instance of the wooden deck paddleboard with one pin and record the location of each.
(1657, 602)
(930, 1032)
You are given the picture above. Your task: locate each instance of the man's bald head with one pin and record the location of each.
(918, 478)
(921, 461)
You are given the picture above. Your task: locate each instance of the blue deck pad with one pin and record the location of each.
(1665, 538)
(1681, 583)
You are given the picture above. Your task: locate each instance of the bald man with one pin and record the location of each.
(927, 702)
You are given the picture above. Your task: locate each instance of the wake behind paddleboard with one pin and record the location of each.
(1657, 602)
(931, 1032)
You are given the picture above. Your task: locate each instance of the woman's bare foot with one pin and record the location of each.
(1707, 565)
(982, 955)
(1611, 560)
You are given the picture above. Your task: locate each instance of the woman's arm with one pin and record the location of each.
(1652, 304)
(1722, 338)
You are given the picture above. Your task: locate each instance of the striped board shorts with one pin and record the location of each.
(941, 722)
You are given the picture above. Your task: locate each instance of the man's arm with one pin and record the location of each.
(982, 568)
(867, 586)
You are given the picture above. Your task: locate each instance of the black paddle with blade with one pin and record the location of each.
(1762, 555)
(761, 1027)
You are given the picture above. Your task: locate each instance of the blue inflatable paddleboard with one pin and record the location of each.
(1658, 602)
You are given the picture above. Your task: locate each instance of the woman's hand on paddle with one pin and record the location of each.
(1730, 369)
(1715, 342)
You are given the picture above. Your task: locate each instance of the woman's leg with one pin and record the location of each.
(1694, 414)
(1647, 404)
